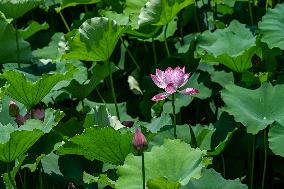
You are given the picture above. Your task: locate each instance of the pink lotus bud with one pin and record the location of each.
(13, 109)
(139, 141)
(128, 124)
(38, 113)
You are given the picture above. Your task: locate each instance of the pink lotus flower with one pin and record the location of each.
(171, 80)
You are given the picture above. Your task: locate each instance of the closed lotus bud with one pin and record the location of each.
(38, 113)
(139, 141)
(128, 124)
(13, 109)
(20, 120)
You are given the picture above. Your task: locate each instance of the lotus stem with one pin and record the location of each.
(174, 115)
(143, 170)
(17, 44)
(196, 17)
(251, 178)
(265, 158)
(112, 89)
(154, 51)
(166, 42)
(223, 165)
(250, 12)
(130, 54)
(10, 176)
(193, 137)
(64, 21)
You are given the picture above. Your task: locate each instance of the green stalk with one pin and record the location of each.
(174, 116)
(223, 165)
(166, 42)
(64, 21)
(10, 176)
(143, 171)
(193, 137)
(112, 89)
(17, 44)
(196, 17)
(130, 54)
(252, 163)
(154, 51)
(265, 158)
(101, 97)
(250, 12)
(21, 180)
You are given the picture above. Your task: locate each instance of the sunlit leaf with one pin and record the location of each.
(94, 41)
(31, 93)
(272, 27)
(233, 46)
(255, 109)
(174, 160)
(161, 12)
(162, 183)
(68, 3)
(276, 139)
(33, 28)
(212, 180)
(105, 144)
(17, 8)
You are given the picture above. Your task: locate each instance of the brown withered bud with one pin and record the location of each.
(13, 109)
(128, 124)
(139, 141)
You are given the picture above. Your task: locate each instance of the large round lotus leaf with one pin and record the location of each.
(212, 180)
(100, 36)
(15, 142)
(161, 12)
(31, 93)
(272, 27)
(94, 41)
(104, 144)
(68, 3)
(255, 109)
(17, 8)
(233, 46)
(276, 139)
(8, 45)
(174, 160)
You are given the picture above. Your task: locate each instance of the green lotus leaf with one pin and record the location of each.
(272, 27)
(161, 12)
(33, 28)
(174, 160)
(104, 144)
(212, 180)
(31, 93)
(17, 8)
(132, 10)
(94, 41)
(202, 133)
(15, 142)
(222, 77)
(162, 183)
(69, 3)
(51, 50)
(255, 109)
(276, 139)
(8, 45)
(100, 72)
(233, 46)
